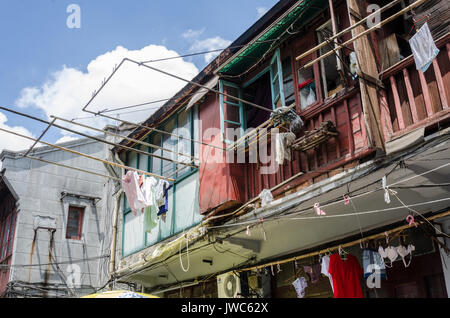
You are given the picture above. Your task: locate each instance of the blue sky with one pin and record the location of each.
(44, 58)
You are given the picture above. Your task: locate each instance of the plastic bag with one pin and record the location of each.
(311, 97)
(266, 197)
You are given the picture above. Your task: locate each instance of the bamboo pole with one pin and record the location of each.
(319, 46)
(378, 25)
(95, 138)
(71, 167)
(150, 129)
(123, 137)
(87, 156)
(368, 238)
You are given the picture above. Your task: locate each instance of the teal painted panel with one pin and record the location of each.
(187, 206)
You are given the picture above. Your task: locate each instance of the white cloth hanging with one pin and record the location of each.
(282, 143)
(423, 48)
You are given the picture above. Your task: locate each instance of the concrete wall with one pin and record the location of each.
(39, 186)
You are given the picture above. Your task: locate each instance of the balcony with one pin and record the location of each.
(324, 159)
(413, 99)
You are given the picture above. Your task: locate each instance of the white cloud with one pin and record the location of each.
(209, 44)
(65, 139)
(69, 89)
(189, 34)
(261, 11)
(11, 142)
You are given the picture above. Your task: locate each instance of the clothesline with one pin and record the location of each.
(371, 29)
(123, 137)
(87, 156)
(95, 138)
(356, 242)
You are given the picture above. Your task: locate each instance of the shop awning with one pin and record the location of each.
(299, 14)
(202, 92)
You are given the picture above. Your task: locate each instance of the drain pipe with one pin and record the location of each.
(112, 260)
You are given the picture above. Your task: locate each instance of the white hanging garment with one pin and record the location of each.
(423, 48)
(282, 143)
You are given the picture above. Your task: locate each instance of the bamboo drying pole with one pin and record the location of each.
(87, 156)
(370, 16)
(96, 138)
(71, 167)
(150, 129)
(124, 137)
(378, 25)
(368, 238)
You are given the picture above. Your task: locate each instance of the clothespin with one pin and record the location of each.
(295, 264)
(261, 220)
(410, 220)
(318, 210)
(346, 199)
(265, 271)
(278, 268)
(271, 268)
(387, 237)
(387, 198)
(248, 230)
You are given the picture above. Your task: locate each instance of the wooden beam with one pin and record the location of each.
(353, 39)
(426, 93)
(440, 84)
(397, 103)
(412, 102)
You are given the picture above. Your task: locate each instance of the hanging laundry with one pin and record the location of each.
(403, 252)
(325, 264)
(266, 197)
(300, 285)
(313, 272)
(423, 48)
(372, 262)
(133, 192)
(161, 196)
(346, 276)
(150, 212)
(389, 252)
(283, 141)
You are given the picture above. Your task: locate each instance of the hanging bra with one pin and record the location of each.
(389, 252)
(392, 253)
(403, 252)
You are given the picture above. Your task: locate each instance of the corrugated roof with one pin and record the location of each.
(299, 14)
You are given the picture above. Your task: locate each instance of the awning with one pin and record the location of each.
(298, 15)
(202, 92)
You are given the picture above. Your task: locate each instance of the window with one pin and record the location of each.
(7, 226)
(181, 124)
(74, 223)
(276, 81)
(231, 112)
(288, 81)
(183, 197)
(331, 78)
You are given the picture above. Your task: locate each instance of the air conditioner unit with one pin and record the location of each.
(228, 285)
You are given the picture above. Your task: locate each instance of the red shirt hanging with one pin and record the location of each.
(346, 276)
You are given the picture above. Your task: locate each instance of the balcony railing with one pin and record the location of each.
(345, 112)
(413, 99)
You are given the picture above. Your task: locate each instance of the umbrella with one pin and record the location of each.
(119, 294)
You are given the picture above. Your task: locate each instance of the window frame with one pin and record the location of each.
(239, 104)
(276, 59)
(79, 235)
(187, 172)
(7, 225)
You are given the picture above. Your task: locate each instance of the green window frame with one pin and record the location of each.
(180, 176)
(226, 102)
(276, 80)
